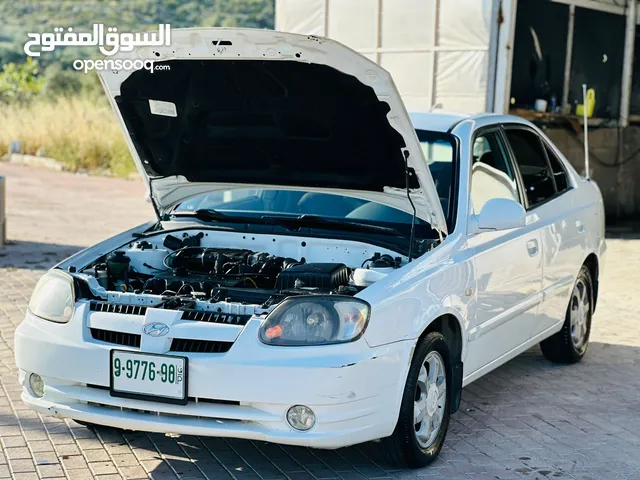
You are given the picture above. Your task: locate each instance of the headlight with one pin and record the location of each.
(316, 320)
(53, 298)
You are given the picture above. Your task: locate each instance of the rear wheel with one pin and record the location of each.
(424, 411)
(570, 344)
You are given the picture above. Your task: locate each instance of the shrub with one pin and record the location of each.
(63, 83)
(20, 83)
(79, 132)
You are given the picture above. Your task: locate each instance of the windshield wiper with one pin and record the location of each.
(290, 223)
(206, 214)
(322, 222)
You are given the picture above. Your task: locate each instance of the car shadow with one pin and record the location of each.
(34, 255)
(527, 417)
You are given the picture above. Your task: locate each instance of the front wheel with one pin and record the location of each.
(424, 411)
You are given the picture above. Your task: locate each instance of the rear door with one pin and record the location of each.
(550, 199)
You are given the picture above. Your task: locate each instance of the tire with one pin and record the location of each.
(570, 344)
(429, 375)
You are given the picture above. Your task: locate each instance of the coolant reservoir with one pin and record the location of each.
(152, 257)
(363, 277)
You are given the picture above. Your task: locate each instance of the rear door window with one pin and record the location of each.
(559, 173)
(536, 173)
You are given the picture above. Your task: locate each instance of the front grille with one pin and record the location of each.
(159, 413)
(117, 308)
(215, 317)
(185, 345)
(199, 346)
(117, 338)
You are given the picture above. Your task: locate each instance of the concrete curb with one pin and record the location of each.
(53, 164)
(34, 161)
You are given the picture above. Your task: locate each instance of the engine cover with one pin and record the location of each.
(325, 276)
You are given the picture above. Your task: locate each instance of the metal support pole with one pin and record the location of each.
(379, 33)
(431, 86)
(3, 217)
(627, 66)
(326, 18)
(494, 37)
(504, 62)
(568, 56)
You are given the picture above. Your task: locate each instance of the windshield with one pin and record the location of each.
(294, 202)
(438, 149)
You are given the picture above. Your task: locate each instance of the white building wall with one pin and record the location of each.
(301, 16)
(436, 50)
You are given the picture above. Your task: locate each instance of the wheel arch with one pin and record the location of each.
(450, 327)
(593, 265)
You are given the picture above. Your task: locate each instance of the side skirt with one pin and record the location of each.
(511, 354)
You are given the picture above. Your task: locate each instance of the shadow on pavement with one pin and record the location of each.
(34, 255)
(528, 417)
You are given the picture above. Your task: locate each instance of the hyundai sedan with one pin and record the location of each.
(324, 269)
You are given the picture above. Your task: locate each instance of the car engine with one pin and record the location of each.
(181, 270)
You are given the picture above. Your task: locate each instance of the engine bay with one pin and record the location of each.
(186, 267)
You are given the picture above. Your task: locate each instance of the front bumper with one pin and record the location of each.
(354, 390)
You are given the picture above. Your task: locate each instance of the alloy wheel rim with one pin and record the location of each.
(579, 314)
(429, 401)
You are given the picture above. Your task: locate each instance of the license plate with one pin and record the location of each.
(144, 376)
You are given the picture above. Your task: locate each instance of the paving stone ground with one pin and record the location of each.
(528, 419)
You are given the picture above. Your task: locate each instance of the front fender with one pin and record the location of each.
(84, 257)
(406, 302)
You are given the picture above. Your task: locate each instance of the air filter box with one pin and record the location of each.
(326, 276)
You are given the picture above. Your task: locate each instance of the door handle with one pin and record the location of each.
(580, 226)
(532, 247)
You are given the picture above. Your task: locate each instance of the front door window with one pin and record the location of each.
(491, 173)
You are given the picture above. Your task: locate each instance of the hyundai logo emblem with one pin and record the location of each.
(156, 329)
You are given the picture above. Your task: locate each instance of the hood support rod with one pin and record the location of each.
(413, 219)
(156, 208)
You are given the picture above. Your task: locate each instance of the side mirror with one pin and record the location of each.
(499, 214)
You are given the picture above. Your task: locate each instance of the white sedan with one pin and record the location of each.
(325, 269)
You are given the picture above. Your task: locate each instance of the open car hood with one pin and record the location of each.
(230, 108)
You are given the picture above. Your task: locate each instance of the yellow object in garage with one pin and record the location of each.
(591, 104)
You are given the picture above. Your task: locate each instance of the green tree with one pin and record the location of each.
(18, 18)
(58, 82)
(20, 82)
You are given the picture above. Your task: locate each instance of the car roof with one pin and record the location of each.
(441, 121)
(436, 121)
